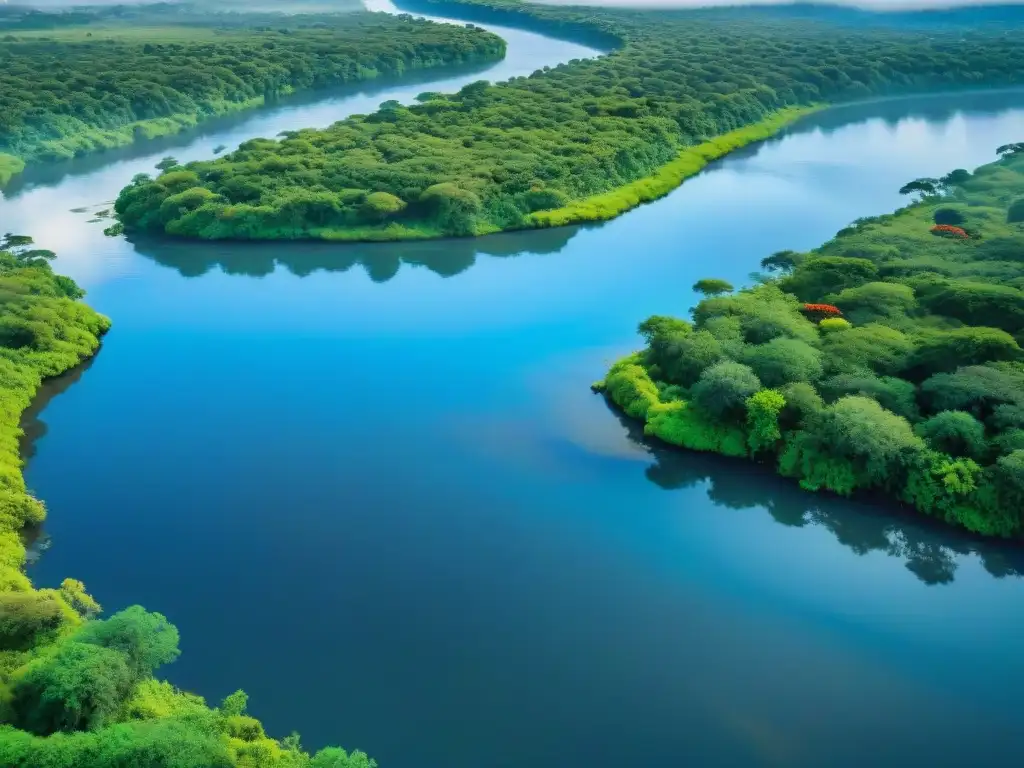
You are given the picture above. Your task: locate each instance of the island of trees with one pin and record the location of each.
(888, 360)
(81, 81)
(583, 141)
(77, 690)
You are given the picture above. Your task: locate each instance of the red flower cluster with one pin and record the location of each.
(824, 309)
(947, 230)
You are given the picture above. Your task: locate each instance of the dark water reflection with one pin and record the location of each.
(929, 551)
(382, 261)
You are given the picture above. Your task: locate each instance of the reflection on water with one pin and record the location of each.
(381, 261)
(930, 552)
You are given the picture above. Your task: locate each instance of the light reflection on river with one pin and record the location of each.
(371, 487)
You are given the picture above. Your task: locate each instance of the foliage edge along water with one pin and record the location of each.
(77, 691)
(206, 65)
(81, 690)
(582, 142)
(886, 360)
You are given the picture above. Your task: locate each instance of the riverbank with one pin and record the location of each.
(579, 143)
(689, 162)
(318, 53)
(594, 209)
(888, 359)
(76, 689)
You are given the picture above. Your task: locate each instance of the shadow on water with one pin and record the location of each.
(33, 430)
(51, 173)
(381, 261)
(928, 549)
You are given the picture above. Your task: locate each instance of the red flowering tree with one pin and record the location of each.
(822, 310)
(948, 230)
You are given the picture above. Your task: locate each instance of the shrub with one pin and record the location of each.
(945, 230)
(1015, 213)
(948, 216)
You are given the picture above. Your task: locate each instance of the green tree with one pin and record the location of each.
(723, 389)
(956, 433)
(781, 361)
(763, 410)
(146, 639)
(1015, 213)
(822, 276)
(78, 688)
(712, 287)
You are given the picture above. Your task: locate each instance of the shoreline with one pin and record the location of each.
(844, 397)
(99, 140)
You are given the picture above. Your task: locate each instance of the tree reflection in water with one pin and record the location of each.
(931, 551)
(381, 261)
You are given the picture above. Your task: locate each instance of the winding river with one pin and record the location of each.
(370, 485)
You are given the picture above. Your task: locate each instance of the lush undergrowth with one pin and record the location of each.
(84, 87)
(579, 142)
(888, 359)
(77, 691)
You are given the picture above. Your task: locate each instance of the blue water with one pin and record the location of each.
(371, 487)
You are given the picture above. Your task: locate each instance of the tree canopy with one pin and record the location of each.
(577, 136)
(911, 383)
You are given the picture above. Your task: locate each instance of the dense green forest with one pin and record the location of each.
(564, 144)
(77, 691)
(111, 77)
(888, 359)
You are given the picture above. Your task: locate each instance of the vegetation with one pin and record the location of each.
(583, 141)
(77, 691)
(887, 359)
(97, 85)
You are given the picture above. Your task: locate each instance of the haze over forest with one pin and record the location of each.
(881, 5)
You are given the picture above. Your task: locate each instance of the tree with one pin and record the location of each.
(24, 616)
(713, 287)
(334, 757)
(167, 163)
(870, 347)
(956, 433)
(949, 216)
(453, 209)
(977, 389)
(687, 356)
(380, 205)
(856, 433)
(875, 301)
(763, 409)
(941, 351)
(925, 187)
(1015, 213)
(78, 688)
(1010, 149)
(782, 361)
(147, 640)
(891, 393)
(821, 276)
(723, 389)
(782, 261)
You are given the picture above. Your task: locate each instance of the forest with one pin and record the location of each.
(76, 84)
(888, 360)
(565, 144)
(77, 690)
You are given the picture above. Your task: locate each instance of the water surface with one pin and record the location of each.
(371, 487)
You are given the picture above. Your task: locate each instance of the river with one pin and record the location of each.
(371, 487)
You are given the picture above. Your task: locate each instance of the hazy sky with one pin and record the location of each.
(873, 4)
